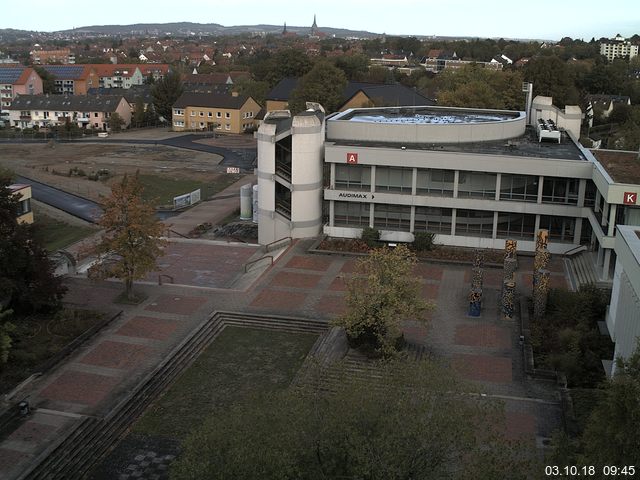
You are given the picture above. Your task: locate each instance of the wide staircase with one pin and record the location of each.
(582, 271)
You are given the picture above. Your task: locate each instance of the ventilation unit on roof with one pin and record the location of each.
(547, 130)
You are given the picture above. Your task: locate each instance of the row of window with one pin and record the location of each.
(475, 223)
(192, 113)
(470, 184)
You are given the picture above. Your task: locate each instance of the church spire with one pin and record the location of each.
(315, 25)
(284, 31)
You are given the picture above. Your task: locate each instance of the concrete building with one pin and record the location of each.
(618, 47)
(87, 111)
(23, 192)
(17, 80)
(473, 177)
(623, 315)
(62, 56)
(225, 113)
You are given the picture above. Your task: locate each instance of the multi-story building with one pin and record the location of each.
(618, 47)
(224, 113)
(17, 80)
(62, 56)
(24, 213)
(73, 79)
(473, 177)
(88, 111)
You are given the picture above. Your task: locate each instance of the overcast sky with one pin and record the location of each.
(541, 19)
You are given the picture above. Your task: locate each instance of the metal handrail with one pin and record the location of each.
(268, 245)
(169, 230)
(164, 275)
(577, 249)
(256, 261)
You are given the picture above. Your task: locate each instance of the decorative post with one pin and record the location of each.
(475, 302)
(541, 274)
(475, 294)
(541, 294)
(508, 280)
(508, 298)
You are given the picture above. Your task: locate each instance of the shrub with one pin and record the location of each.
(370, 236)
(424, 241)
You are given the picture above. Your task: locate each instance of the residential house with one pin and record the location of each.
(62, 55)
(618, 47)
(17, 80)
(73, 79)
(225, 113)
(602, 105)
(88, 111)
(391, 60)
(118, 76)
(438, 60)
(24, 213)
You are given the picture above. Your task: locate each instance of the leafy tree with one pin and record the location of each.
(407, 422)
(27, 283)
(257, 90)
(131, 243)
(290, 62)
(551, 77)
(139, 112)
(324, 84)
(424, 241)
(48, 79)
(382, 294)
(6, 328)
(165, 92)
(355, 67)
(116, 122)
(370, 236)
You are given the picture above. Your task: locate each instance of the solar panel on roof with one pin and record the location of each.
(64, 72)
(10, 74)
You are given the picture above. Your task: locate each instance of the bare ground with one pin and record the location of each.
(41, 162)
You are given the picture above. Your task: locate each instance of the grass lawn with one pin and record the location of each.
(56, 234)
(36, 339)
(239, 362)
(161, 189)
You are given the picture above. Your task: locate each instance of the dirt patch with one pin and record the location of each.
(51, 164)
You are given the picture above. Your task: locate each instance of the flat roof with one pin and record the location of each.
(526, 145)
(424, 115)
(622, 166)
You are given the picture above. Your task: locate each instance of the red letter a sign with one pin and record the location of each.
(352, 158)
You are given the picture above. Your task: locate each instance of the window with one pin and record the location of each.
(351, 214)
(353, 177)
(24, 206)
(219, 127)
(202, 114)
(227, 115)
(392, 217)
(560, 190)
(227, 127)
(394, 179)
(218, 115)
(519, 187)
(209, 114)
(433, 220)
(192, 113)
(475, 223)
(435, 182)
(561, 229)
(179, 123)
(95, 114)
(178, 111)
(516, 225)
(477, 185)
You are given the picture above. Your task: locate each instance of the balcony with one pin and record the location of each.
(25, 117)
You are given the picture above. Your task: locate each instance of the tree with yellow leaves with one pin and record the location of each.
(132, 241)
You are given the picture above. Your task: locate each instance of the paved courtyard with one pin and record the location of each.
(484, 350)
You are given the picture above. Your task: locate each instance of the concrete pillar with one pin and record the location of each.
(414, 183)
(582, 190)
(605, 267)
(498, 182)
(453, 222)
(332, 176)
(577, 232)
(537, 224)
(332, 211)
(371, 213)
(612, 219)
(373, 179)
(456, 179)
(540, 186)
(412, 221)
(494, 232)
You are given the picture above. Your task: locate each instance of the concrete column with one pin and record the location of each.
(612, 219)
(494, 232)
(605, 209)
(536, 226)
(498, 182)
(412, 221)
(414, 183)
(540, 187)
(605, 267)
(456, 178)
(371, 212)
(596, 206)
(577, 231)
(582, 189)
(373, 179)
(332, 179)
(332, 208)
(453, 222)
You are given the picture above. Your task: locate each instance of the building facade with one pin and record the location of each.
(215, 112)
(618, 47)
(17, 80)
(73, 79)
(24, 213)
(472, 177)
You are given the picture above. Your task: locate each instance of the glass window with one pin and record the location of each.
(351, 214)
(433, 220)
(435, 182)
(590, 194)
(392, 217)
(394, 179)
(561, 229)
(227, 115)
(353, 177)
(516, 225)
(560, 190)
(523, 188)
(477, 185)
(475, 223)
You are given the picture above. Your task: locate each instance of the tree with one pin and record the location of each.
(165, 92)
(324, 84)
(355, 67)
(6, 328)
(116, 122)
(48, 79)
(551, 77)
(382, 294)
(409, 421)
(27, 282)
(131, 243)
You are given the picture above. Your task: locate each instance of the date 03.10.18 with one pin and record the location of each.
(624, 471)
